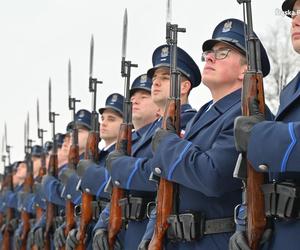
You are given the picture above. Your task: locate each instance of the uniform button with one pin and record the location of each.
(87, 190)
(263, 167)
(157, 170)
(117, 183)
(69, 196)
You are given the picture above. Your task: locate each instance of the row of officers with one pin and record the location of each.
(201, 161)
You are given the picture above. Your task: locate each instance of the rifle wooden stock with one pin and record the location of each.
(51, 210)
(165, 193)
(91, 151)
(1, 219)
(85, 219)
(253, 87)
(86, 198)
(115, 217)
(8, 232)
(73, 159)
(25, 217)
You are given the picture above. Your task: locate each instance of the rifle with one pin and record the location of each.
(51, 210)
(28, 183)
(40, 133)
(123, 143)
(167, 191)
(252, 87)
(10, 213)
(43, 169)
(91, 153)
(73, 157)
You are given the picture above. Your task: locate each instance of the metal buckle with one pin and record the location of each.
(193, 225)
(150, 206)
(77, 210)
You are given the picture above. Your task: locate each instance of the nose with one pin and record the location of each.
(103, 123)
(156, 81)
(210, 57)
(134, 100)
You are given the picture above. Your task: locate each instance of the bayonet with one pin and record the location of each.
(91, 56)
(38, 114)
(50, 99)
(93, 88)
(124, 37)
(7, 147)
(169, 11)
(52, 118)
(39, 130)
(72, 101)
(3, 151)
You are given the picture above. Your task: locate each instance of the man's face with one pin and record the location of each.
(110, 125)
(144, 110)
(66, 144)
(20, 175)
(223, 72)
(295, 30)
(63, 152)
(37, 163)
(83, 135)
(161, 86)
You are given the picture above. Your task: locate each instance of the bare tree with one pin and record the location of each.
(284, 61)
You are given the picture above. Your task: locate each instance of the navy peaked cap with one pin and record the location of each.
(59, 139)
(115, 102)
(83, 118)
(185, 63)
(37, 151)
(48, 145)
(231, 31)
(142, 82)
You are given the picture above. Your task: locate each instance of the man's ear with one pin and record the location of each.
(186, 87)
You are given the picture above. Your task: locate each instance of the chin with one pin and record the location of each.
(296, 46)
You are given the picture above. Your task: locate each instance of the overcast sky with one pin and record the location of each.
(39, 36)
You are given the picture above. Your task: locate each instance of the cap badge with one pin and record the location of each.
(143, 79)
(164, 52)
(114, 98)
(227, 26)
(81, 114)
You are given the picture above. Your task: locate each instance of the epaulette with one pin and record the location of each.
(190, 110)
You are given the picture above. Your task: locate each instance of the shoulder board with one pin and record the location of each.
(190, 110)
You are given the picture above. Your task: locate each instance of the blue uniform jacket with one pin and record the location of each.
(69, 189)
(136, 171)
(202, 164)
(276, 144)
(96, 176)
(52, 189)
(39, 199)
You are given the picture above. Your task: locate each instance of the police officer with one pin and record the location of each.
(144, 113)
(202, 162)
(272, 148)
(93, 176)
(10, 201)
(26, 197)
(39, 202)
(53, 187)
(138, 168)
